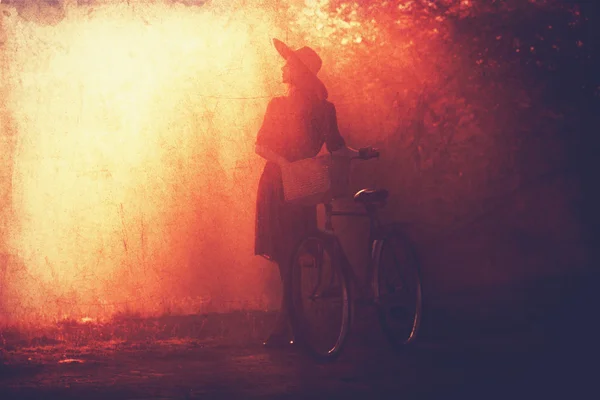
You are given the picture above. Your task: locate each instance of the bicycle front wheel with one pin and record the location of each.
(397, 288)
(321, 305)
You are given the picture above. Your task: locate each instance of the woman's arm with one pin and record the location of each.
(333, 139)
(270, 155)
(345, 151)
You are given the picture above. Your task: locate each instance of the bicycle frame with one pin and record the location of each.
(373, 243)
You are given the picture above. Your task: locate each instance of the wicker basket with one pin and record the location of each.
(316, 180)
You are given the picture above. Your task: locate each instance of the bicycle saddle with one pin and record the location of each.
(371, 196)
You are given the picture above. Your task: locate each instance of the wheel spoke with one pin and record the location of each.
(320, 303)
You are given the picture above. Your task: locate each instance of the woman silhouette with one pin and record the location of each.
(295, 127)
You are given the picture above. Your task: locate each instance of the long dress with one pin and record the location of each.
(295, 128)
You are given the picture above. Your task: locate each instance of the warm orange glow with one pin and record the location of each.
(133, 140)
(134, 176)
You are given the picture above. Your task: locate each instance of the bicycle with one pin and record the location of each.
(393, 281)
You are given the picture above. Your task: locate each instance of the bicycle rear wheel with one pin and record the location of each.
(397, 288)
(321, 306)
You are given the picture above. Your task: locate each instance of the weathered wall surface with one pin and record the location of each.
(129, 175)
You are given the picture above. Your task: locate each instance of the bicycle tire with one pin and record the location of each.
(399, 302)
(333, 261)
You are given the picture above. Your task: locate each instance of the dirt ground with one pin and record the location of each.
(220, 356)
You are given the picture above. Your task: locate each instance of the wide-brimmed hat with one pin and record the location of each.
(307, 56)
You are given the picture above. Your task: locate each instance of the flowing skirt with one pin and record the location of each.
(279, 225)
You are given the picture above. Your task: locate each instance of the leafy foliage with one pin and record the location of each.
(470, 99)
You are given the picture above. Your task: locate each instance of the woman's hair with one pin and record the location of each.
(305, 82)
